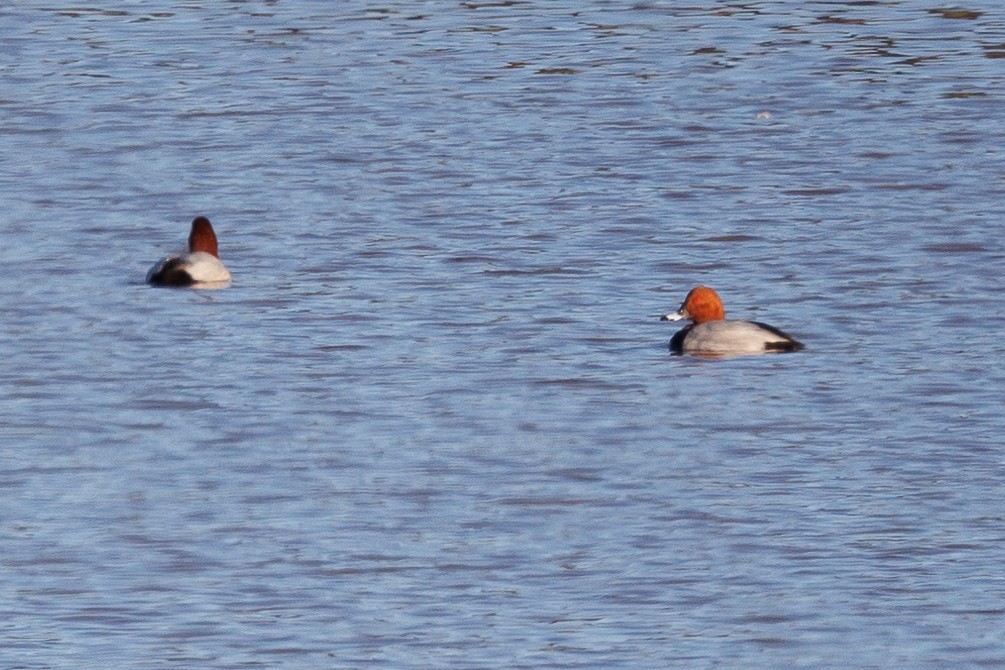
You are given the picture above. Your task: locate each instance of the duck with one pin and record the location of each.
(201, 266)
(711, 334)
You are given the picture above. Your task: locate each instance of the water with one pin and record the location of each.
(434, 422)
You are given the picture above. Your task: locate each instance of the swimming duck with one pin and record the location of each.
(200, 266)
(710, 333)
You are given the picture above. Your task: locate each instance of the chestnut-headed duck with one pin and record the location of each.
(710, 333)
(201, 266)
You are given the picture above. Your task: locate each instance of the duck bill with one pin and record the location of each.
(675, 316)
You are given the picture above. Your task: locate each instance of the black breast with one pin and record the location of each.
(677, 341)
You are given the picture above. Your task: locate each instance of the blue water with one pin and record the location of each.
(434, 423)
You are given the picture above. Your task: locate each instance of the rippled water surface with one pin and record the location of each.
(434, 423)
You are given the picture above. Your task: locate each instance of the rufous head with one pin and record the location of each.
(702, 304)
(202, 237)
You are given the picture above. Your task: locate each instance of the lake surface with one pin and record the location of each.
(434, 422)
